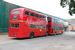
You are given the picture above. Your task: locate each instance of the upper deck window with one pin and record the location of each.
(44, 17)
(40, 16)
(26, 13)
(52, 19)
(36, 15)
(32, 14)
(16, 12)
(49, 19)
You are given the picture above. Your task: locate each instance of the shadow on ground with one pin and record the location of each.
(33, 38)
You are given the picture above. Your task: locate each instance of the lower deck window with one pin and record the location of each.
(12, 25)
(44, 26)
(17, 25)
(40, 26)
(36, 26)
(31, 26)
(58, 28)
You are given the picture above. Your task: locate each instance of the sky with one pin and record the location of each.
(51, 7)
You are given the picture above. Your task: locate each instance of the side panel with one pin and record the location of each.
(26, 31)
(58, 26)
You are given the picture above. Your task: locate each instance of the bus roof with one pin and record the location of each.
(42, 13)
(30, 11)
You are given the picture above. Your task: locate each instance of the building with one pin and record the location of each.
(65, 26)
(71, 24)
(5, 9)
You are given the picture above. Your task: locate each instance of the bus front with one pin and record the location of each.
(15, 23)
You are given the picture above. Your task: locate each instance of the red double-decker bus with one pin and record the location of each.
(26, 23)
(55, 26)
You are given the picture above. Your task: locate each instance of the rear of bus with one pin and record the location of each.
(15, 23)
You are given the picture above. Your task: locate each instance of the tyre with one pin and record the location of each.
(61, 32)
(31, 35)
(46, 33)
(55, 33)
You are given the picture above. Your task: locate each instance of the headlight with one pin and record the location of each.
(15, 16)
(14, 34)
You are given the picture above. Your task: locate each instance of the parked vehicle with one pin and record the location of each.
(27, 23)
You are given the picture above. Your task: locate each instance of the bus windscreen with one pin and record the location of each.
(16, 12)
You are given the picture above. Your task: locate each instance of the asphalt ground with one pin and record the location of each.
(37, 43)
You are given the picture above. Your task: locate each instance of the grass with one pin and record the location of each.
(4, 33)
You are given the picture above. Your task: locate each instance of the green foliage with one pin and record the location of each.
(70, 3)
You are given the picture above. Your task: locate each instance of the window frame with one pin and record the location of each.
(44, 17)
(49, 26)
(36, 25)
(18, 26)
(31, 26)
(40, 27)
(41, 16)
(49, 19)
(16, 11)
(11, 25)
(33, 13)
(44, 27)
(26, 14)
(53, 20)
(36, 14)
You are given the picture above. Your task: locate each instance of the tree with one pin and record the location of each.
(70, 3)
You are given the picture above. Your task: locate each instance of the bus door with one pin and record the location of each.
(49, 28)
(49, 24)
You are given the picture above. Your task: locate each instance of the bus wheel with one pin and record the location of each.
(61, 32)
(46, 33)
(55, 33)
(31, 35)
